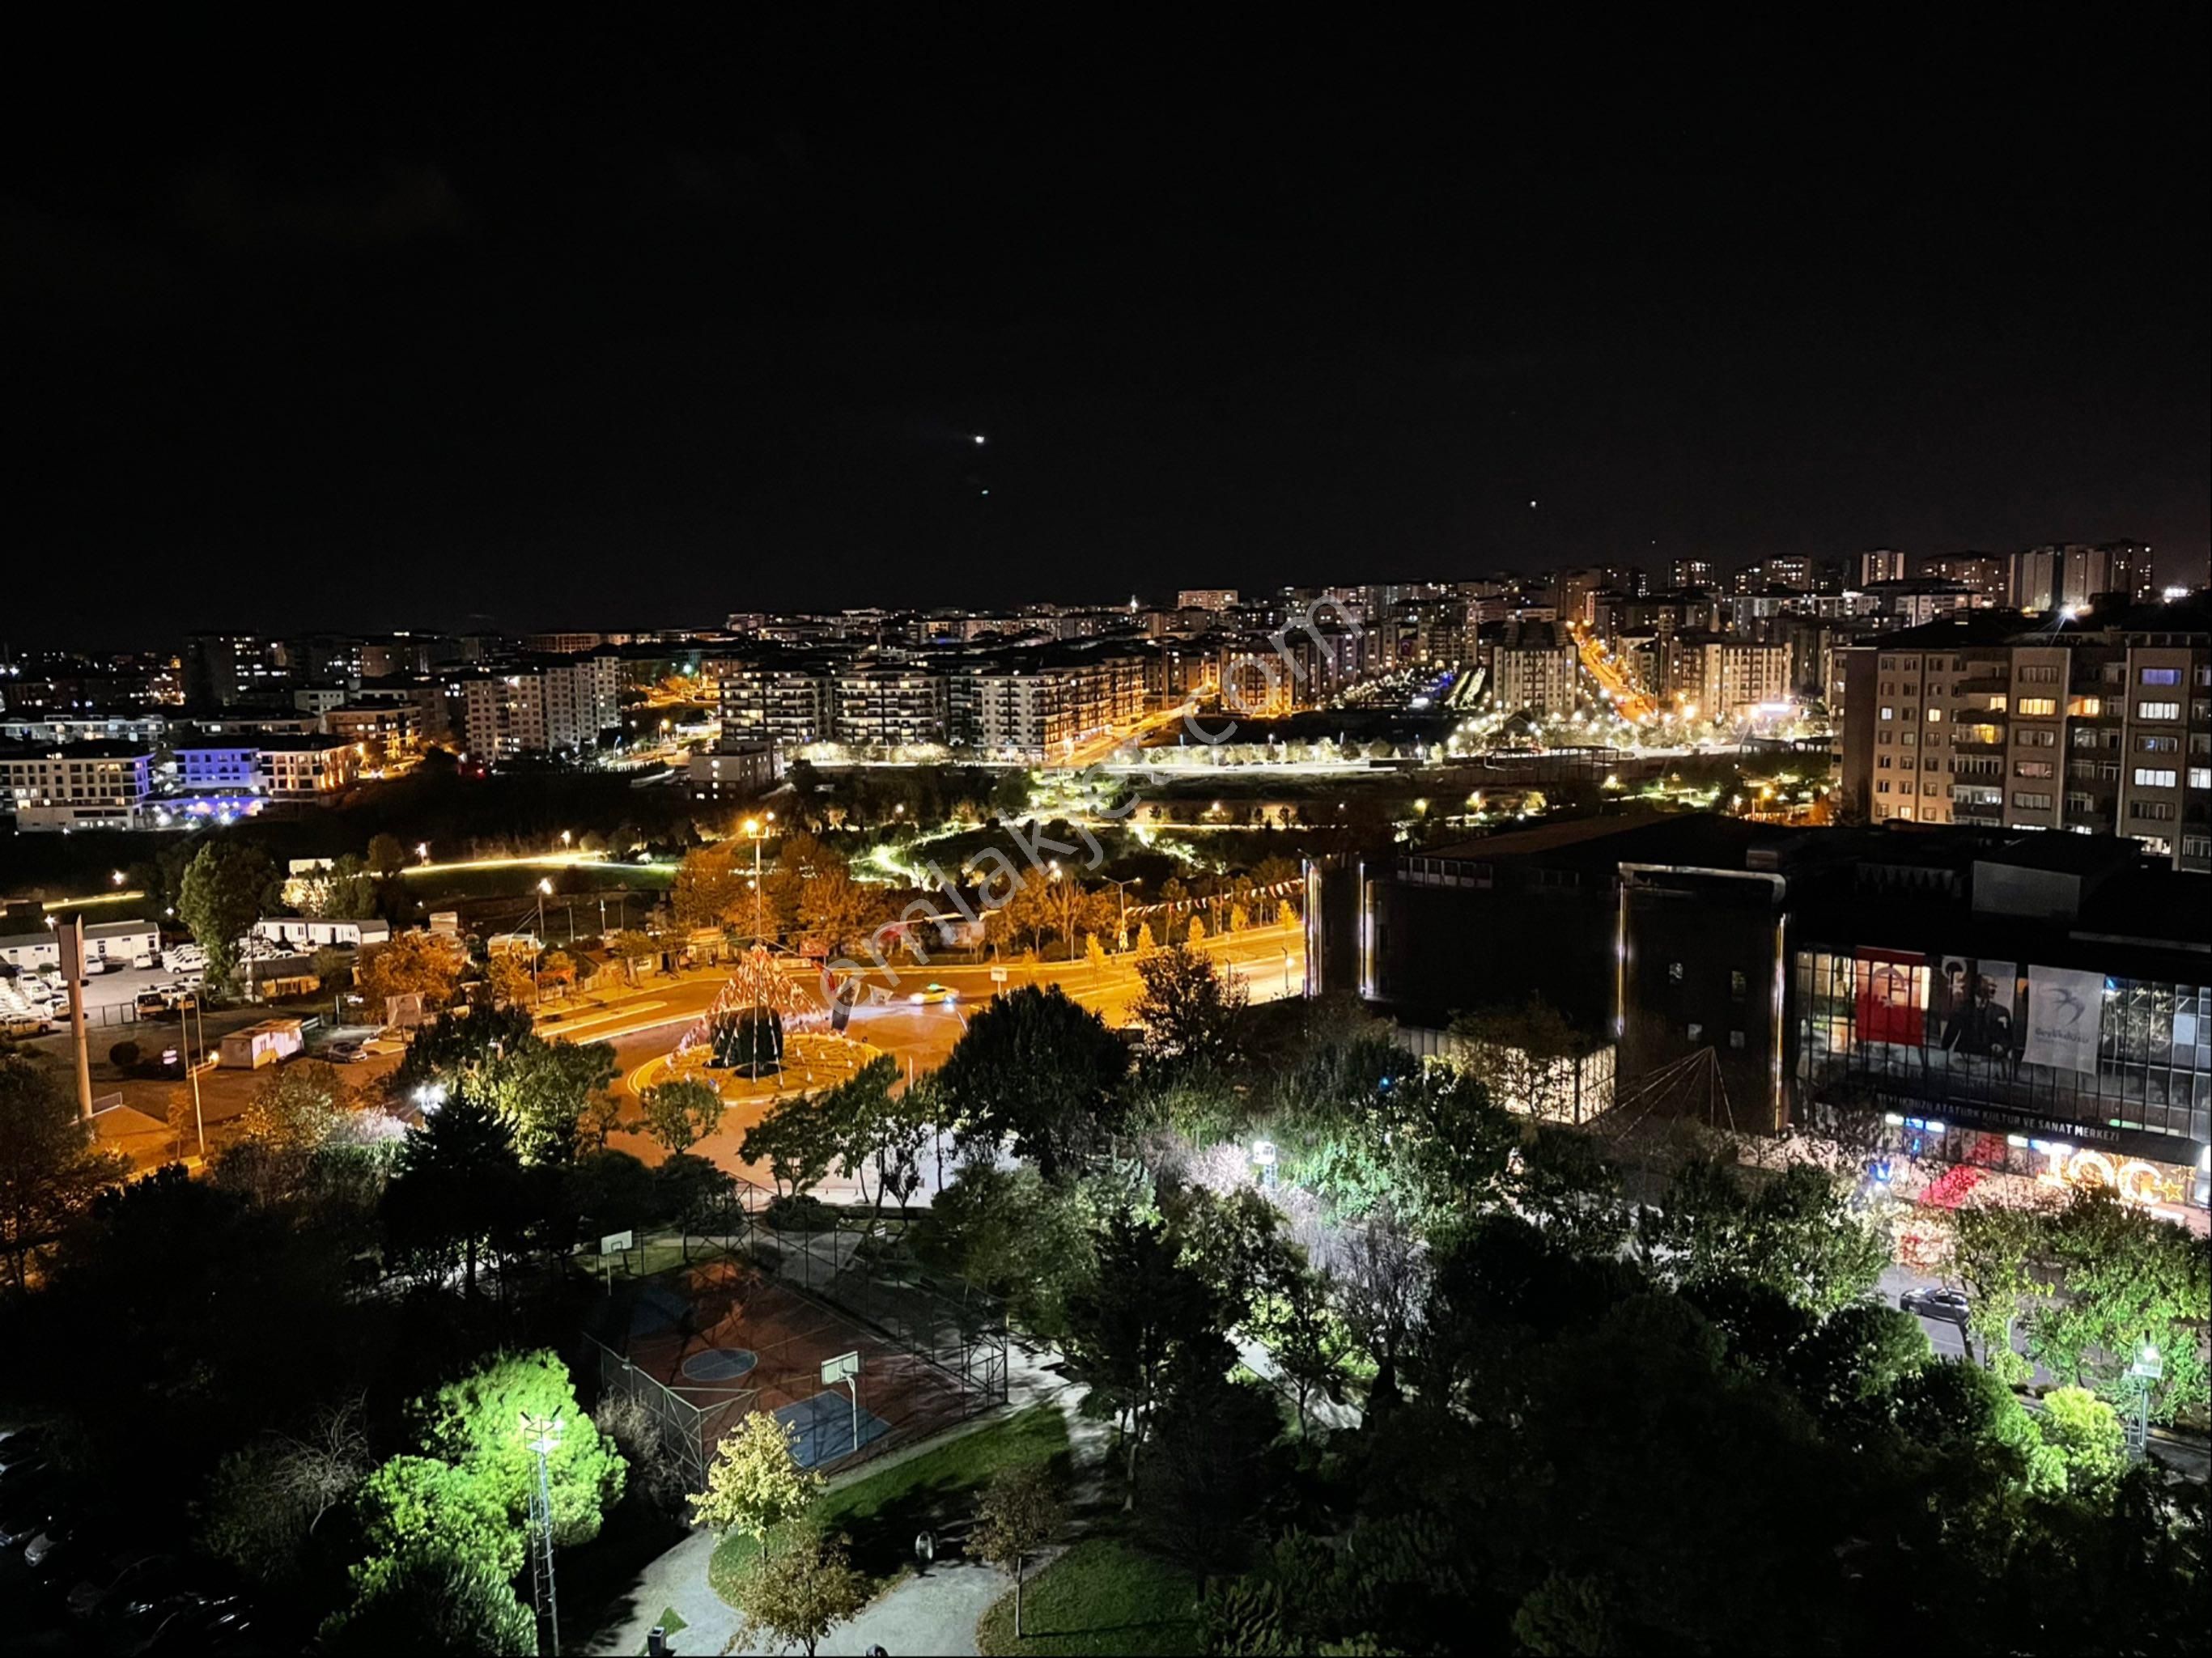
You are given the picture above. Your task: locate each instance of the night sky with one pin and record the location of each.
(632, 330)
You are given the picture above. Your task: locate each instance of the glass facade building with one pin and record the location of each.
(2038, 1055)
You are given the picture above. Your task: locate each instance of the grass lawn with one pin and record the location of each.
(882, 1511)
(1101, 1596)
(670, 1620)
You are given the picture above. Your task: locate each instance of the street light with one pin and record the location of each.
(538, 938)
(541, 1437)
(1122, 924)
(753, 831)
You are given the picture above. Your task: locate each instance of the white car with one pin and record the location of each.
(930, 994)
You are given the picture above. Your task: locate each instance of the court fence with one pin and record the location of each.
(776, 1319)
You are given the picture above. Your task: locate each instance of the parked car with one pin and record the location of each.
(124, 1580)
(26, 1444)
(345, 1051)
(1951, 1306)
(53, 1548)
(26, 1025)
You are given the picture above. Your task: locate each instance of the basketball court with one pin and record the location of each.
(706, 1344)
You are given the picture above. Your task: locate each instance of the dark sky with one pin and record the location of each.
(601, 328)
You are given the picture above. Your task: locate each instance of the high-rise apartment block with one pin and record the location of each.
(1883, 564)
(1983, 721)
(557, 706)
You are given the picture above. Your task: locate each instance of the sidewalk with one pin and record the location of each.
(934, 1612)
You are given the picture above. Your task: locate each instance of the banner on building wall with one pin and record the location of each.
(1973, 1007)
(2065, 1016)
(1892, 987)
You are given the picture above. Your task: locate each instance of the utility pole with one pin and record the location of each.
(70, 935)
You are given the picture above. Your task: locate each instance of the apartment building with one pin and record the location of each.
(2072, 576)
(313, 770)
(1991, 722)
(88, 784)
(561, 705)
(772, 697)
(1724, 678)
(1883, 564)
(1983, 575)
(1529, 665)
(1205, 598)
(887, 702)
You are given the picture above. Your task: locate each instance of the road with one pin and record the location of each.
(643, 1025)
(1628, 701)
(2189, 1457)
(1271, 959)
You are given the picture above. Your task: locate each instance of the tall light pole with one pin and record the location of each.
(1121, 893)
(537, 940)
(753, 831)
(541, 1437)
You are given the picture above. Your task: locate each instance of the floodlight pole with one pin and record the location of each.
(541, 1435)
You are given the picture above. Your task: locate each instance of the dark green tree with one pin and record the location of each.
(433, 1599)
(52, 1164)
(1040, 1071)
(456, 1188)
(1192, 1015)
(1143, 1315)
(225, 888)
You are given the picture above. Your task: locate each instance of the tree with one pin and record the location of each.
(1566, 1184)
(2127, 1279)
(679, 1115)
(1796, 1232)
(346, 891)
(711, 888)
(867, 1125)
(1144, 1313)
(510, 981)
(475, 1424)
(600, 1117)
(695, 1193)
(226, 889)
(432, 1599)
(409, 964)
(1993, 1248)
(298, 1108)
(1039, 1069)
(1296, 1322)
(754, 1482)
(386, 856)
(1019, 1514)
(267, 1498)
(1189, 1011)
(52, 1164)
(2087, 1432)
(801, 1594)
(630, 947)
(838, 911)
(1145, 943)
(559, 968)
(458, 1184)
(1381, 1280)
(411, 1503)
(333, 968)
(798, 1141)
(1525, 1056)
